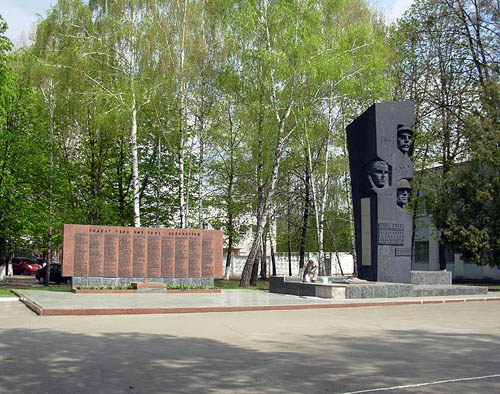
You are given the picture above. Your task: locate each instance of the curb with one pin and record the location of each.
(30, 304)
(142, 311)
(5, 299)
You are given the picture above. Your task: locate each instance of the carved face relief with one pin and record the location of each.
(402, 196)
(379, 173)
(404, 140)
(403, 192)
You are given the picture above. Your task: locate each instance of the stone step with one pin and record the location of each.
(359, 290)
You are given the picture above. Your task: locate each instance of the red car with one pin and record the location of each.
(24, 266)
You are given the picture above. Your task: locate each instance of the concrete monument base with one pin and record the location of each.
(341, 288)
(430, 277)
(124, 282)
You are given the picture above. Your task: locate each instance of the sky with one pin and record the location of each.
(21, 15)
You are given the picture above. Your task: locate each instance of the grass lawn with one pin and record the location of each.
(5, 291)
(230, 284)
(234, 283)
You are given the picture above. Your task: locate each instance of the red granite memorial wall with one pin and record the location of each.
(127, 252)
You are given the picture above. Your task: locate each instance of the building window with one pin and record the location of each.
(422, 252)
(450, 255)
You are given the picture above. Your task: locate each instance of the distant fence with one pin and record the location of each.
(333, 263)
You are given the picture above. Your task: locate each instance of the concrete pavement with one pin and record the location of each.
(66, 303)
(431, 348)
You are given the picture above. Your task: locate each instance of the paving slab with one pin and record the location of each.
(66, 303)
(450, 348)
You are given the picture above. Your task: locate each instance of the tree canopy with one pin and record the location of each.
(232, 115)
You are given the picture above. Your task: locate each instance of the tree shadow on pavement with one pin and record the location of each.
(44, 361)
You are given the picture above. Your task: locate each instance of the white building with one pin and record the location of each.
(426, 255)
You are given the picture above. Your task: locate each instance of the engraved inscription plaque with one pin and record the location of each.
(402, 251)
(194, 267)
(207, 268)
(124, 255)
(168, 255)
(110, 255)
(153, 260)
(181, 256)
(81, 255)
(96, 254)
(142, 253)
(391, 234)
(139, 254)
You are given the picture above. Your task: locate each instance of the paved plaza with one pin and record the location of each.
(429, 348)
(66, 303)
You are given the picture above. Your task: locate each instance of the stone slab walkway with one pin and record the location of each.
(66, 303)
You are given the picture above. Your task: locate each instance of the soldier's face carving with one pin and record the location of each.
(402, 196)
(404, 140)
(379, 172)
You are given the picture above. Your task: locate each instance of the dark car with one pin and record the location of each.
(24, 266)
(55, 274)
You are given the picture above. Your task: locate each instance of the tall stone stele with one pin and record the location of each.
(381, 172)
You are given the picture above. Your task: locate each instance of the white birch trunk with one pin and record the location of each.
(135, 162)
(200, 180)
(187, 184)
(319, 204)
(133, 131)
(158, 182)
(278, 153)
(347, 188)
(182, 132)
(227, 272)
(324, 185)
(182, 201)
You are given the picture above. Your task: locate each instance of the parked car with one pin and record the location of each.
(55, 274)
(24, 266)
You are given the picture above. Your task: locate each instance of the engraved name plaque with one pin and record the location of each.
(391, 234)
(402, 251)
(81, 257)
(125, 252)
(111, 255)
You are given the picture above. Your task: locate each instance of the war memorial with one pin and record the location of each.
(381, 173)
(378, 142)
(118, 256)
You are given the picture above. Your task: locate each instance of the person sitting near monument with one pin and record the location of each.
(378, 174)
(403, 192)
(404, 137)
(310, 272)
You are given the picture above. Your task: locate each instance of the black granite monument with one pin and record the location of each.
(378, 142)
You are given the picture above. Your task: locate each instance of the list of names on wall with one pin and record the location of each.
(106, 251)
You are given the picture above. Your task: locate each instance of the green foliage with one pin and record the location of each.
(233, 79)
(473, 228)
(447, 54)
(22, 158)
(5, 47)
